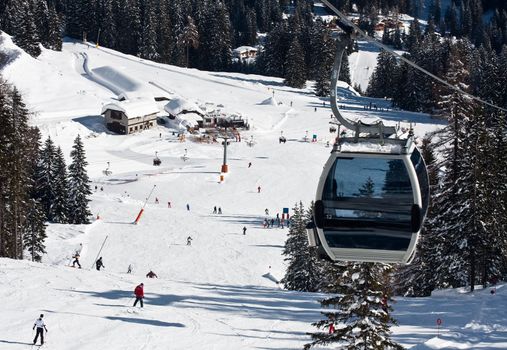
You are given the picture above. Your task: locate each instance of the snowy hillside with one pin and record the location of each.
(218, 293)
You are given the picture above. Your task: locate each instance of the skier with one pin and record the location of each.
(151, 274)
(139, 293)
(219, 210)
(266, 211)
(39, 324)
(99, 264)
(129, 269)
(101, 188)
(156, 200)
(249, 164)
(76, 260)
(168, 204)
(266, 223)
(259, 189)
(215, 209)
(188, 207)
(189, 240)
(244, 230)
(272, 223)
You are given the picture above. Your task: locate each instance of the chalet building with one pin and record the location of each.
(244, 53)
(129, 116)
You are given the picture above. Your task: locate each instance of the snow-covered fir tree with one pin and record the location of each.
(59, 211)
(148, 46)
(295, 68)
(34, 233)
(303, 270)
(44, 177)
(359, 318)
(79, 185)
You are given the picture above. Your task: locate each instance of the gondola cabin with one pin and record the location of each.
(371, 201)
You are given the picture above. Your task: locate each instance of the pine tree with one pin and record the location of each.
(323, 49)
(79, 185)
(189, 38)
(295, 74)
(35, 231)
(362, 319)
(303, 272)
(60, 205)
(272, 58)
(44, 178)
(148, 44)
(26, 36)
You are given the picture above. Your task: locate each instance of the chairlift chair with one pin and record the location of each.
(156, 160)
(107, 172)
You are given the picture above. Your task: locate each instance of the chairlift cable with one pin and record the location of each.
(404, 59)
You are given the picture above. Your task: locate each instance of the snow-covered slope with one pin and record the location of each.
(218, 293)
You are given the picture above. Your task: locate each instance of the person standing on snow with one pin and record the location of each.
(259, 189)
(249, 164)
(244, 230)
(76, 260)
(139, 293)
(151, 274)
(219, 210)
(189, 240)
(188, 207)
(215, 209)
(99, 264)
(129, 269)
(39, 324)
(266, 211)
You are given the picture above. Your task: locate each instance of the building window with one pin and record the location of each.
(135, 128)
(116, 115)
(131, 129)
(151, 124)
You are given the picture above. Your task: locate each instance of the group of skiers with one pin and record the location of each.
(215, 211)
(280, 222)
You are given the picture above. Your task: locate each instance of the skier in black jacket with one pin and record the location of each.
(99, 264)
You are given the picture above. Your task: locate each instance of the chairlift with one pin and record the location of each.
(107, 172)
(184, 157)
(251, 142)
(156, 160)
(373, 193)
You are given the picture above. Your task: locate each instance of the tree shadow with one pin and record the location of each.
(145, 321)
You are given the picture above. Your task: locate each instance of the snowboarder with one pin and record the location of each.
(188, 207)
(129, 269)
(219, 210)
(215, 209)
(39, 324)
(259, 189)
(151, 274)
(244, 230)
(189, 240)
(139, 293)
(249, 164)
(99, 264)
(76, 260)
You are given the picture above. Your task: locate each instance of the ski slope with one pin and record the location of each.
(220, 292)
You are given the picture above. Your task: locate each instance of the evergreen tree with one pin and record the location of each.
(44, 178)
(362, 319)
(26, 36)
(60, 205)
(295, 74)
(189, 38)
(79, 185)
(35, 231)
(323, 48)
(272, 58)
(303, 270)
(148, 44)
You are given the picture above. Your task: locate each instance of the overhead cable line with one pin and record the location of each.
(404, 59)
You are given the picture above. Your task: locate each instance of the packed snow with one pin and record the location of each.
(220, 292)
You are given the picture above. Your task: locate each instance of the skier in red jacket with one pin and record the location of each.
(139, 292)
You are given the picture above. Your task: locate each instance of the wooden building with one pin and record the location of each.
(129, 116)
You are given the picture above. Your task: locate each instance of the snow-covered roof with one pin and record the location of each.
(138, 107)
(179, 105)
(190, 119)
(244, 49)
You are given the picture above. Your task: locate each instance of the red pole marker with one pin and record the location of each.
(439, 323)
